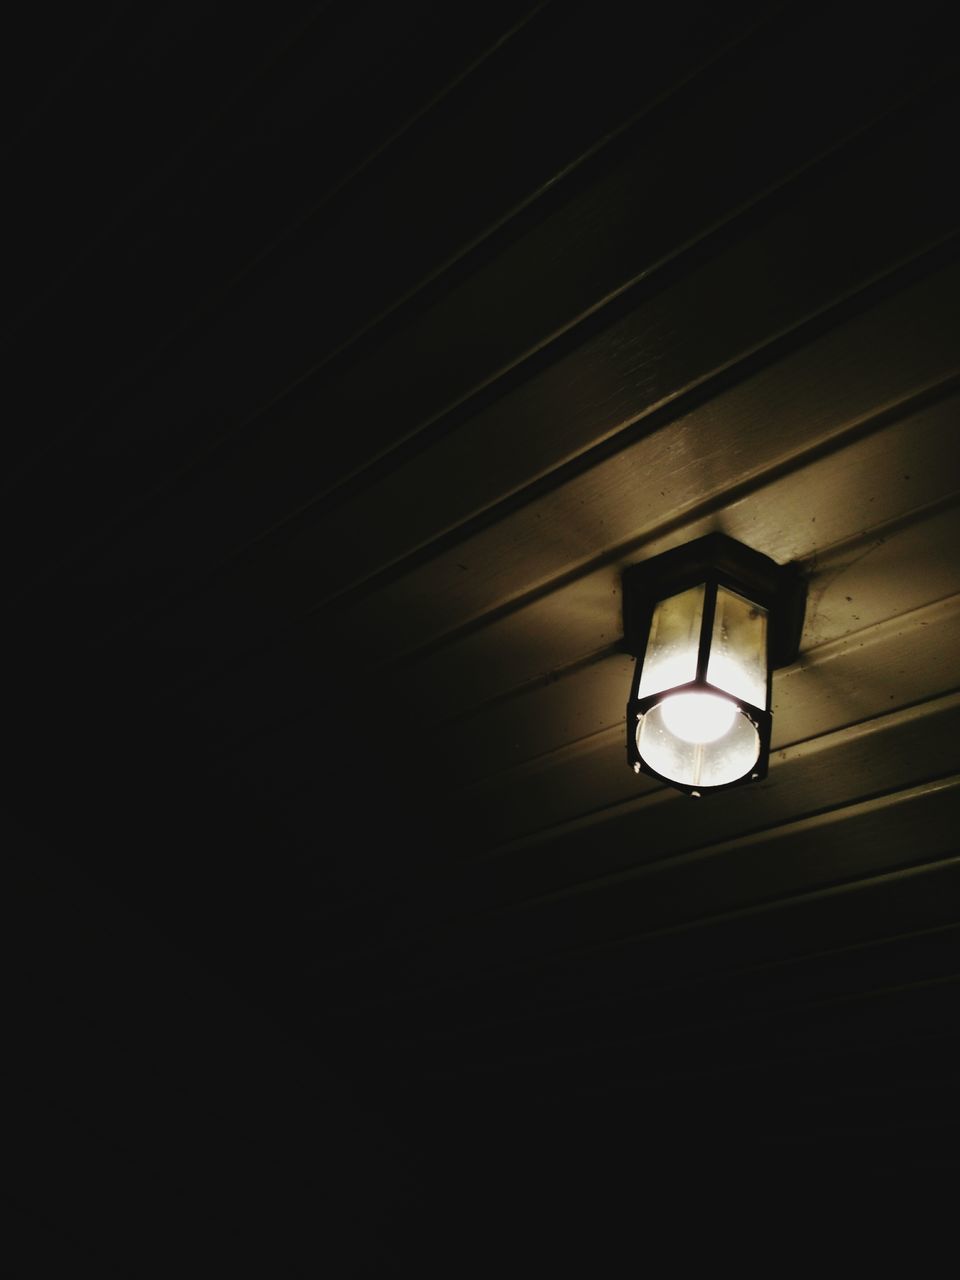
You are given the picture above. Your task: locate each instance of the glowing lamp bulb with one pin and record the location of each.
(698, 717)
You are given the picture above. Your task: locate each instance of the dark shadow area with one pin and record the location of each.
(269, 1010)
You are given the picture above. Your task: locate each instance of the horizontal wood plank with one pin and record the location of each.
(821, 499)
(880, 578)
(611, 382)
(900, 830)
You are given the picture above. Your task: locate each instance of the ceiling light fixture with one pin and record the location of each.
(707, 623)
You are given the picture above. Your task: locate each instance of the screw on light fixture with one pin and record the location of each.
(707, 623)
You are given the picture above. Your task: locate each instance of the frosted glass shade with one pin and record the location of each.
(738, 648)
(673, 643)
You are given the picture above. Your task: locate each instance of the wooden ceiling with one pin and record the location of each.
(353, 352)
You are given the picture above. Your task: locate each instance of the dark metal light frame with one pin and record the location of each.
(715, 560)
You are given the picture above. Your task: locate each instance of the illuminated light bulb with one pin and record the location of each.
(698, 717)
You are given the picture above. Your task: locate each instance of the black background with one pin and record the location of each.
(203, 1078)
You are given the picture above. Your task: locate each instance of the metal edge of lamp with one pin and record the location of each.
(718, 561)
